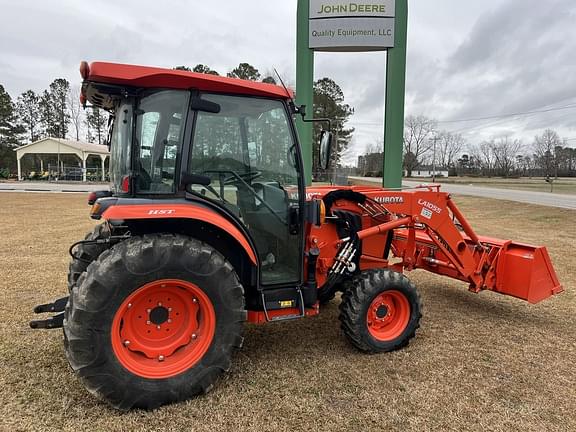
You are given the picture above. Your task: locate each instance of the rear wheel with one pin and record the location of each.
(84, 254)
(154, 320)
(380, 311)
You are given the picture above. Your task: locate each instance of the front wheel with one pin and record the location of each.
(380, 311)
(154, 320)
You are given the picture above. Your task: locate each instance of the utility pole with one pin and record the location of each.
(58, 178)
(436, 138)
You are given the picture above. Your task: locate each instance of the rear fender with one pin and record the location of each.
(171, 211)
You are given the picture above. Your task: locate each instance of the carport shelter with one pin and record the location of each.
(55, 146)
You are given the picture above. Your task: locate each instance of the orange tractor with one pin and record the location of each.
(209, 225)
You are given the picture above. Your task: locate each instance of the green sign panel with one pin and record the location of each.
(370, 25)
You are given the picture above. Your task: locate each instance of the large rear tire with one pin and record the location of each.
(380, 311)
(154, 320)
(84, 254)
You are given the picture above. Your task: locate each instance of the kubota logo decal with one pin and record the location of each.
(161, 212)
(389, 200)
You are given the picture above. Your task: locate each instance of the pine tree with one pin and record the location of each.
(200, 68)
(53, 109)
(9, 128)
(96, 122)
(245, 71)
(329, 103)
(9, 131)
(28, 109)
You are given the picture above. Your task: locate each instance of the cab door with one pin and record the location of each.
(249, 152)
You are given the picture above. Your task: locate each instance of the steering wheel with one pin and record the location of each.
(247, 177)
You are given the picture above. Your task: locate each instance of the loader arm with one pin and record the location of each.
(429, 232)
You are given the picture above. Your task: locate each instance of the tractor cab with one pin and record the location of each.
(235, 150)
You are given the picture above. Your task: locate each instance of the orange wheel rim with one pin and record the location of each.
(163, 328)
(388, 315)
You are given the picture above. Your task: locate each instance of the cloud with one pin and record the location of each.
(465, 59)
(516, 58)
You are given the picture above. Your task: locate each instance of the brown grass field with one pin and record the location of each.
(563, 185)
(479, 362)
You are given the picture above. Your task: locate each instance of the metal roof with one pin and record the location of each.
(84, 147)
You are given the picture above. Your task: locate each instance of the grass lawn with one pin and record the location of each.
(563, 185)
(479, 362)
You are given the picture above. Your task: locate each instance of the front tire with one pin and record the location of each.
(154, 320)
(380, 311)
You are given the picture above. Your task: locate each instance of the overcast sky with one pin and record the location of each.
(466, 60)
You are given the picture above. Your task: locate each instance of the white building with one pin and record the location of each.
(60, 146)
(427, 172)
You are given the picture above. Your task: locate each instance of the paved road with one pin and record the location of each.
(528, 197)
(50, 187)
(540, 198)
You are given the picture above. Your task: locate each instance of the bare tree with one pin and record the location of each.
(448, 148)
(544, 151)
(375, 147)
(505, 151)
(486, 157)
(418, 130)
(76, 111)
(565, 160)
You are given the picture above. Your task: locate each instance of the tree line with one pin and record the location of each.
(56, 112)
(424, 143)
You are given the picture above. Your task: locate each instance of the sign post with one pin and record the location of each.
(341, 26)
(395, 94)
(305, 86)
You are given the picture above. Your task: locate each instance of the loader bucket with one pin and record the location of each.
(526, 272)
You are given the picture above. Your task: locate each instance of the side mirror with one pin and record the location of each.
(325, 149)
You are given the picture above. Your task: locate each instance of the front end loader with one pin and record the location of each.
(208, 225)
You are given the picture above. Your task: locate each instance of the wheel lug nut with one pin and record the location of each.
(169, 309)
(194, 336)
(169, 320)
(126, 342)
(147, 322)
(159, 303)
(161, 358)
(129, 305)
(194, 300)
(148, 310)
(158, 327)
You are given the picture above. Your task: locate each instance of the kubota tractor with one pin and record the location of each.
(208, 225)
